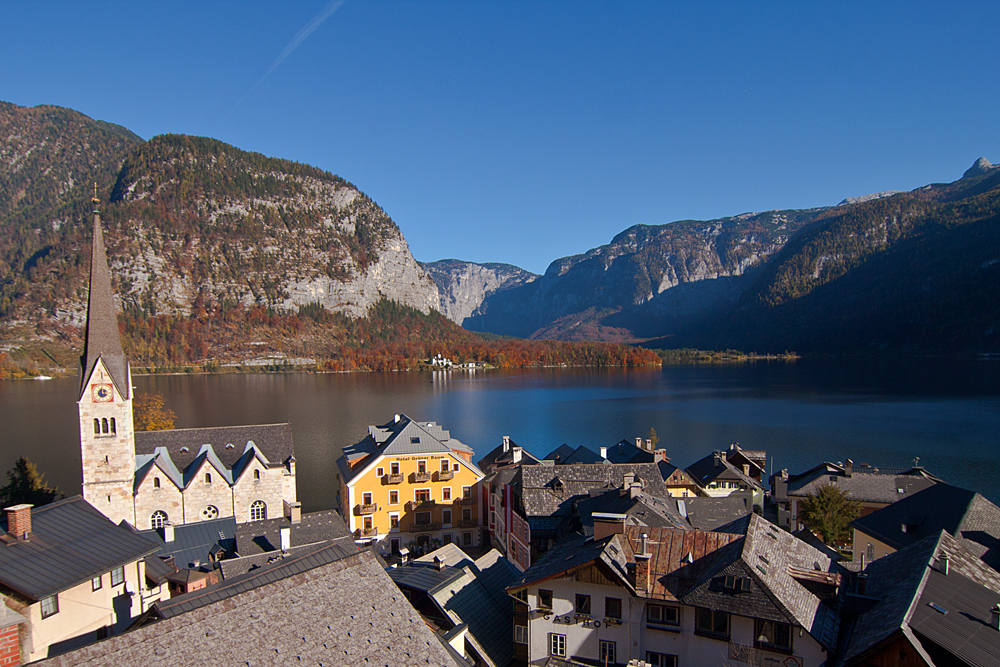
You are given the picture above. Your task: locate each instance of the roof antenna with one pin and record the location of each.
(94, 198)
(916, 461)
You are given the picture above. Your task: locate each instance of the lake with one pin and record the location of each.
(884, 413)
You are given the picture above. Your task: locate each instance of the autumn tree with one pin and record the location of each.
(829, 513)
(26, 485)
(150, 414)
(653, 438)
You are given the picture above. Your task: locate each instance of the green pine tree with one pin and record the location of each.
(26, 485)
(829, 513)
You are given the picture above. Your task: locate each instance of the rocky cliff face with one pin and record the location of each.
(463, 286)
(605, 291)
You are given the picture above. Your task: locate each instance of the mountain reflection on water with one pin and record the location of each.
(880, 412)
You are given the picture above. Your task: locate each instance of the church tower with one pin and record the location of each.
(107, 441)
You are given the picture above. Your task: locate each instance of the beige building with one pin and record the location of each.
(150, 479)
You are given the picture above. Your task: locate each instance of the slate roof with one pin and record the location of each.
(866, 483)
(186, 445)
(541, 497)
(193, 541)
(329, 609)
(470, 592)
(399, 438)
(962, 513)
(560, 453)
(674, 476)
(102, 339)
(901, 585)
(499, 457)
(258, 537)
(715, 466)
(70, 542)
(643, 510)
(712, 513)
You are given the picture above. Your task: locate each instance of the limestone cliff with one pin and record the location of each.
(463, 286)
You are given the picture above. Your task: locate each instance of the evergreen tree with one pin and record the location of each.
(829, 513)
(26, 485)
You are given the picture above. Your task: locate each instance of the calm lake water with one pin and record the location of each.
(883, 413)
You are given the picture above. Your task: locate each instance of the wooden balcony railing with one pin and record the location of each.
(471, 500)
(394, 479)
(423, 505)
(423, 527)
(419, 477)
(445, 475)
(468, 523)
(366, 532)
(361, 509)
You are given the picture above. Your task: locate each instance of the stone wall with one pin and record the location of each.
(268, 488)
(149, 498)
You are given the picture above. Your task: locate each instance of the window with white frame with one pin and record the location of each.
(455, 467)
(118, 576)
(613, 608)
(466, 491)
(446, 494)
(366, 498)
(422, 495)
(421, 467)
(379, 472)
(557, 645)
(608, 653)
(661, 659)
(95, 583)
(660, 615)
(772, 635)
(544, 599)
(258, 510)
(520, 634)
(394, 468)
(158, 519)
(50, 606)
(583, 604)
(394, 497)
(446, 517)
(394, 520)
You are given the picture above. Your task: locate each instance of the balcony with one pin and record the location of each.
(470, 523)
(471, 500)
(366, 532)
(394, 479)
(445, 475)
(423, 505)
(419, 477)
(423, 527)
(361, 509)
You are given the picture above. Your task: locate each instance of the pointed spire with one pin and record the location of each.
(103, 340)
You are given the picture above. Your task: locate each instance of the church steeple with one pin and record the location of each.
(102, 338)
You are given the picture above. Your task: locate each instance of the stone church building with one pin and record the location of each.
(150, 479)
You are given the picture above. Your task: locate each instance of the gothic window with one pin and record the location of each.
(156, 482)
(97, 426)
(258, 510)
(104, 425)
(113, 425)
(209, 513)
(256, 474)
(159, 519)
(208, 478)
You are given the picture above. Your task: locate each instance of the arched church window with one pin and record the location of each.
(97, 426)
(113, 425)
(256, 474)
(208, 478)
(209, 513)
(159, 519)
(156, 482)
(104, 425)
(258, 510)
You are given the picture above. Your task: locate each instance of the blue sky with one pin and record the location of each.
(522, 132)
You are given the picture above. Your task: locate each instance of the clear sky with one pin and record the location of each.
(522, 132)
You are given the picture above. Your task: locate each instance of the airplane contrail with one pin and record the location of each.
(300, 37)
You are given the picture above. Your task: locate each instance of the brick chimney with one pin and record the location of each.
(642, 566)
(19, 520)
(849, 468)
(10, 645)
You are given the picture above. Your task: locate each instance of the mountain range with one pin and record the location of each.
(194, 224)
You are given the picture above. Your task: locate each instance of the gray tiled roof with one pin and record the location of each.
(184, 446)
(643, 510)
(541, 498)
(715, 466)
(712, 513)
(102, 339)
(329, 611)
(258, 537)
(70, 542)
(560, 453)
(501, 457)
(192, 541)
(866, 484)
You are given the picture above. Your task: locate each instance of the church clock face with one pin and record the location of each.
(101, 393)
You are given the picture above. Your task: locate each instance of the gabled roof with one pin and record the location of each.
(560, 453)
(711, 513)
(641, 510)
(226, 445)
(102, 339)
(400, 437)
(264, 536)
(674, 476)
(865, 483)
(330, 605)
(715, 466)
(541, 498)
(503, 455)
(70, 542)
(962, 513)
(193, 541)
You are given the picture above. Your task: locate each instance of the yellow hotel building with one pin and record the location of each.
(410, 483)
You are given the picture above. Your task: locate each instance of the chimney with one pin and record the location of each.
(995, 617)
(168, 533)
(296, 512)
(608, 524)
(638, 443)
(604, 452)
(746, 469)
(943, 563)
(395, 419)
(849, 468)
(506, 443)
(19, 520)
(286, 538)
(718, 459)
(438, 563)
(649, 445)
(516, 455)
(642, 566)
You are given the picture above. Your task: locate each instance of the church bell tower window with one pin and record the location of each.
(97, 427)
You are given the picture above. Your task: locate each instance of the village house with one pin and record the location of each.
(679, 484)
(965, 515)
(151, 479)
(410, 481)
(73, 575)
(717, 477)
(873, 487)
(748, 594)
